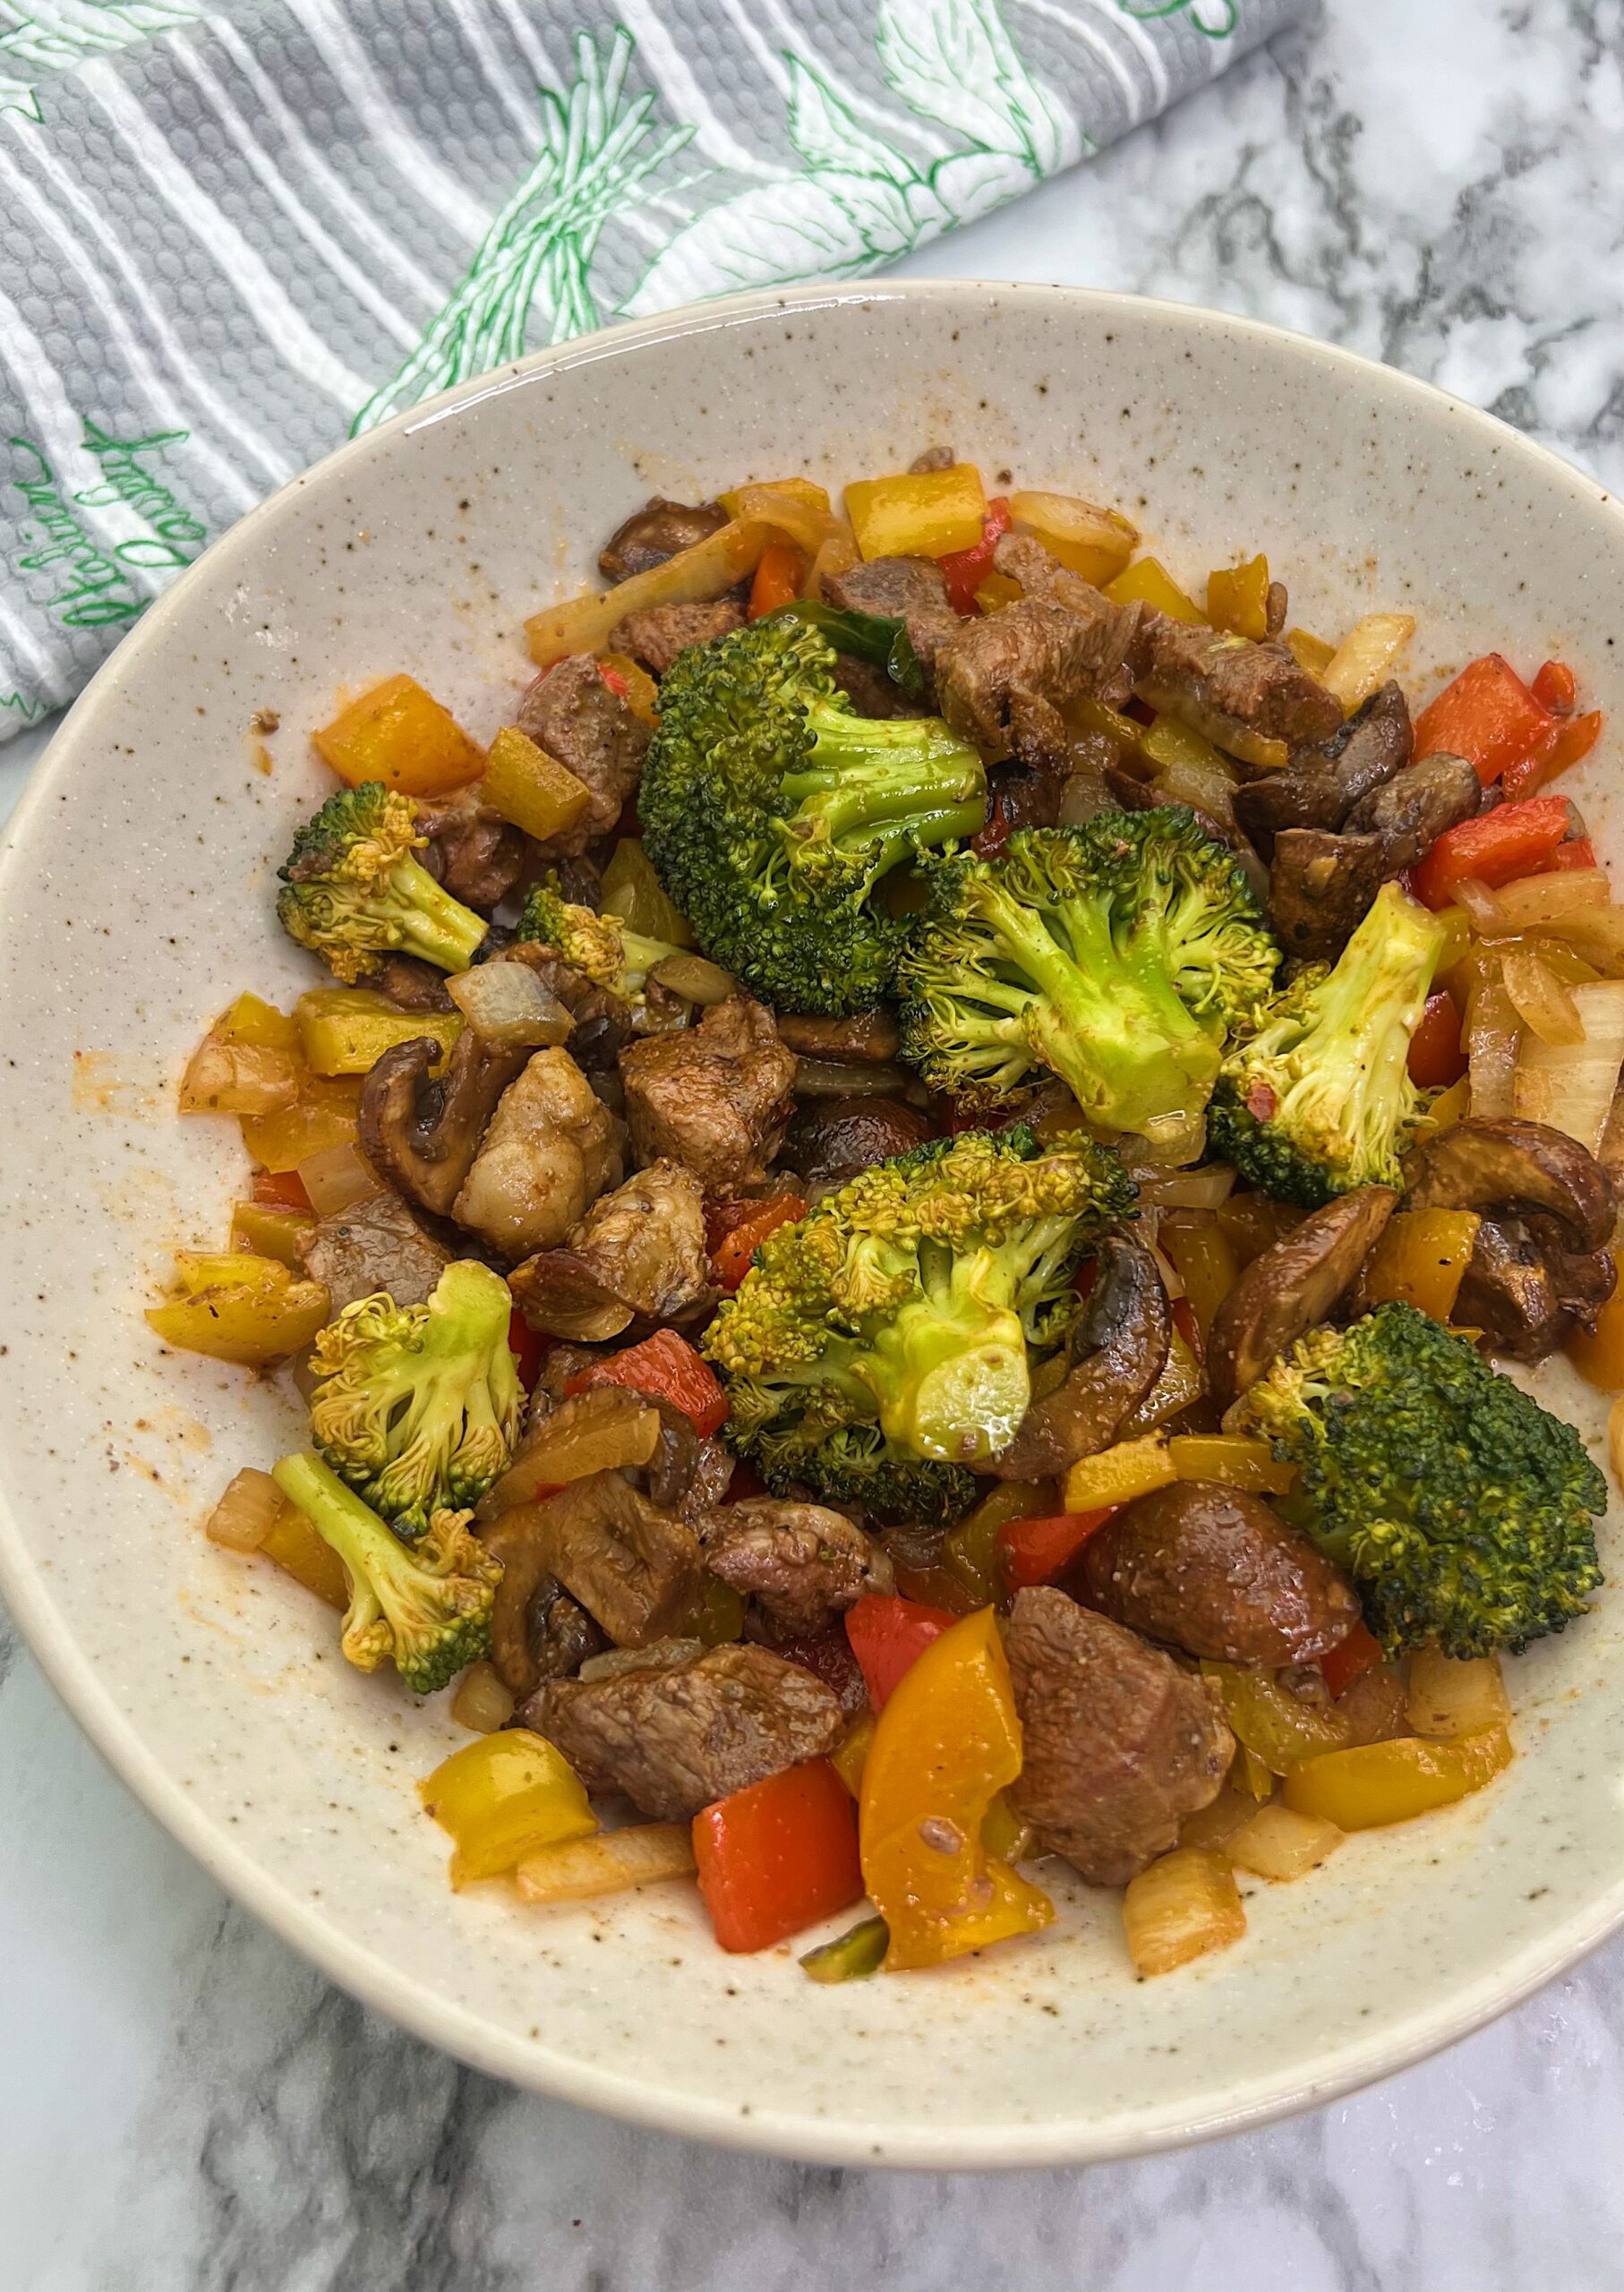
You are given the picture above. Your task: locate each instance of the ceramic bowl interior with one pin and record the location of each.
(137, 899)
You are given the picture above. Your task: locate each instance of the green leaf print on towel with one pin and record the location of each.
(55, 35)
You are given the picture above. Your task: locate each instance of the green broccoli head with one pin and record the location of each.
(882, 1346)
(353, 892)
(600, 946)
(771, 812)
(1459, 1506)
(428, 1604)
(1317, 1100)
(418, 1406)
(1116, 954)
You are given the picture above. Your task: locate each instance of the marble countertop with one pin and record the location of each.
(185, 2104)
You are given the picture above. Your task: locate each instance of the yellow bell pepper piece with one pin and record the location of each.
(235, 1307)
(1149, 583)
(997, 591)
(1391, 1783)
(346, 1029)
(850, 1755)
(948, 1740)
(1421, 1260)
(1448, 1108)
(1117, 1475)
(929, 514)
(1599, 1359)
(259, 1025)
(798, 489)
(1091, 540)
(325, 1113)
(632, 891)
(1309, 652)
(1235, 1458)
(400, 734)
(1238, 599)
(1204, 1259)
(531, 788)
(299, 1552)
(1185, 1904)
(969, 1549)
(1170, 745)
(263, 1231)
(1268, 1719)
(642, 693)
(500, 1798)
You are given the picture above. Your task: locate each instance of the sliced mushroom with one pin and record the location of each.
(1292, 1286)
(1323, 783)
(421, 1133)
(1416, 807)
(1527, 1291)
(1213, 1571)
(537, 1632)
(865, 1039)
(638, 1250)
(633, 1567)
(660, 530)
(1479, 1165)
(830, 1140)
(1119, 1348)
(1320, 888)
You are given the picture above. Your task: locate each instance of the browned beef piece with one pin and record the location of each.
(802, 1562)
(1120, 1744)
(715, 1096)
(472, 850)
(410, 984)
(990, 672)
(656, 635)
(561, 1635)
(1324, 783)
(1320, 886)
(375, 1245)
(571, 713)
(871, 691)
(909, 589)
(658, 531)
(1233, 691)
(1215, 1571)
(674, 1739)
(638, 1250)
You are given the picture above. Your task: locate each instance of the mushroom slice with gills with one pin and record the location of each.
(1517, 1166)
(1323, 784)
(1118, 1348)
(634, 1568)
(801, 1563)
(522, 1614)
(422, 1132)
(1525, 1291)
(638, 1250)
(1215, 1571)
(1292, 1286)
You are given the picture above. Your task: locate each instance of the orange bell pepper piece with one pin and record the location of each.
(778, 578)
(739, 1229)
(1436, 1056)
(777, 1857)
(947, 1741)
(1359, 1653)
(400, 734)
(1488, 715)
(1568, 745)
(1599, 1359)
(1556, 688)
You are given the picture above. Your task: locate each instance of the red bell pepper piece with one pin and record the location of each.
(281, 1190)
(739, 1230)
(828, 1656)
(965, 570)
(1516, 839)
(779, 1856)
(1035, 1552)
(613, 678)
(1578, 851)
(1436, 1056)
(1557, 688)
(529, 1349)
(1563, 746)
(745, 1481)
(989, 841)
(886, 1636)
(1359, 1653)
(778, 578)
(1488, 715)
(666, 1367)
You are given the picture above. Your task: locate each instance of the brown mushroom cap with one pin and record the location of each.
(421, 1133)
(1477, 1164)
(1119, 1346)
(830, 1140)
(1292, 1286)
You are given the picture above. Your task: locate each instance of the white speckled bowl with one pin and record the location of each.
(137, 897)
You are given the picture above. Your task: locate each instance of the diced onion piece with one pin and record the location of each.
(1236, 1459)
(1447, 1697)
(531, 788)
(695, 978)
(632, 891)
(507, 1004)
(1204, 791)
(1541, 1001)
(1598, 935)
(1488, 917)
(1183, 1906)
(694, 576)
(1117, 1475)
(1277, 1843)
(1203, 1189)
(482, 1703)
(1365, 657)
(582, 1868)
(246, 1513)
(1570, 1086)
(1089, 540)
(337, 1179)
(794, 515)
(605, 1430)
(834, 557)
(237, 1078)
(1565, 893)
(1212, 1825)
(1491, 1054)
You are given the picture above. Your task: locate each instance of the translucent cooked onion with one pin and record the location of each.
(337, 1179)
(1571, 1086)
(1491, 1046)
(1481, 904)
(1543, 1003)
(482, 1703)
(1183, 1906)
(1186, 1189)
(1551, 899)
(506, 1003)
(1449, 1697)
(605, 1429)
(1277, 1843)
(695, 978)
(238, 1078)
(639, 1856)
(246, 1513)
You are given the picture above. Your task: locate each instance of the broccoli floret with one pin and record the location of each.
(1117, 954)
(1318, 1099)
(353, 892)
(418, 1406)
(882, 1345)
(771, 812)
(427, 1604)
(600, 946)
(1457, 1505)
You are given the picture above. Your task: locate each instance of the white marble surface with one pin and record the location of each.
(182, 2104)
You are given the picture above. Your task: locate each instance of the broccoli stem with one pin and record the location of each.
(1364, 1013)
(437, 927)
(951, 1372)
(367, 1547)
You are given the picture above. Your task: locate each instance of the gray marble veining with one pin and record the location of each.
(185, 2107)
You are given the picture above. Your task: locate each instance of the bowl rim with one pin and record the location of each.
(360, 1971)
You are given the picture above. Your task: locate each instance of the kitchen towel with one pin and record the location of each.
(232, 235)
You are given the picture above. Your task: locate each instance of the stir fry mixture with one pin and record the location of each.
(896, 1218)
